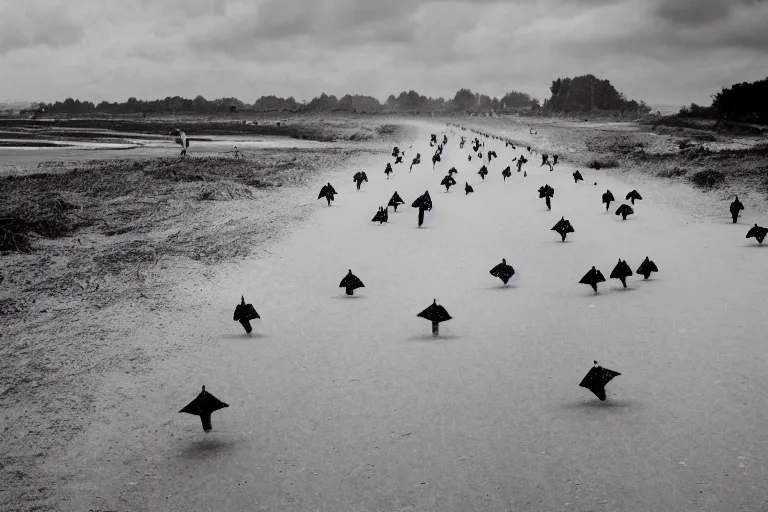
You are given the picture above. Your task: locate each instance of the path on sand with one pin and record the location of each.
(341, 404)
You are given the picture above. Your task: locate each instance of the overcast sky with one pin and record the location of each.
(668, 52)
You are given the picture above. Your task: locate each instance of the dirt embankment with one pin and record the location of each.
(89, 249)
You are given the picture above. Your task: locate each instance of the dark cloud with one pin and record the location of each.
(696, 13)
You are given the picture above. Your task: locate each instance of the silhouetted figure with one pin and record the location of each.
(593, 277)
(469, 158)
(577, 176)
(452, 171)
(491, 154)
(758, 233)
(483, 172)
(381, 216)
(183, 140)
(395, 151)
(625, 210)
(399, 159)
(351, 283)
(506, 173)
(522, 160)
(646, 267)
(461, 144)
(416, 161)
(359, 178)
(736, 207)
(328, 192)
(503, 271)
(529, 149)
(563, 227)
(547, 193)
(633, 195)
(435, 159)
(445, 139)
(544, 160)
(244, 313)
(596, 379)
(388, 170)
(554, 158)
(435, 314)
(607, 198)
(621, 272)
(448, 182)
(395, 200)
(480, 155)
(204, 405)
(468, 188)
(423, 203)
(433, 139)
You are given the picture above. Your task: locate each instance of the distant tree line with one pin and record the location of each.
(587, 93)
(745, 102)
(464, 100)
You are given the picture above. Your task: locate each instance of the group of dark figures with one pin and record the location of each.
(597, 377)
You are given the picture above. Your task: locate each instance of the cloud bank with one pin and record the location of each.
(661, 51)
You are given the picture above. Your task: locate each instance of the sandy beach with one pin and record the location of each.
(342, 404)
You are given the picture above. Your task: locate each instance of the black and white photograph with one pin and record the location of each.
(211, 302)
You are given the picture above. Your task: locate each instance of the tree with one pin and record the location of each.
(464, 99)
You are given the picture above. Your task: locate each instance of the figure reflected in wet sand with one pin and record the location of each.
(593, 277)
(563, 227)
(624, 210)
(736, 207)
(758, 233)
(395, 200)
(423, 203)
(646, 267)
(621, 272)
(328, 192)
(503, 271)
(351, 283)
(596, 380)
(204, 405)
(244, 313)
(435, 314)
(607, 199)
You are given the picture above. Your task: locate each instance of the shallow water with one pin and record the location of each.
(142, 147)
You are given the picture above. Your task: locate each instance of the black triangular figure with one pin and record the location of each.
(399, 159)
(503, 271)
(735, 208)
(483, 172)
(388, 170)
(244, 313)
(607, 198)
(621, 272)
(596, 379)
(593, 277)
(758, 232)
(624, 210)
(423, 203)
(506, 173)
(203, 406)
(452, 171)
(448, 182)
(563, 227)
(646, 267)
(395, 200)
(634, 195)
(468, 188)
(351, 283)
(435, 314)
(577, 176)
(381, 216)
